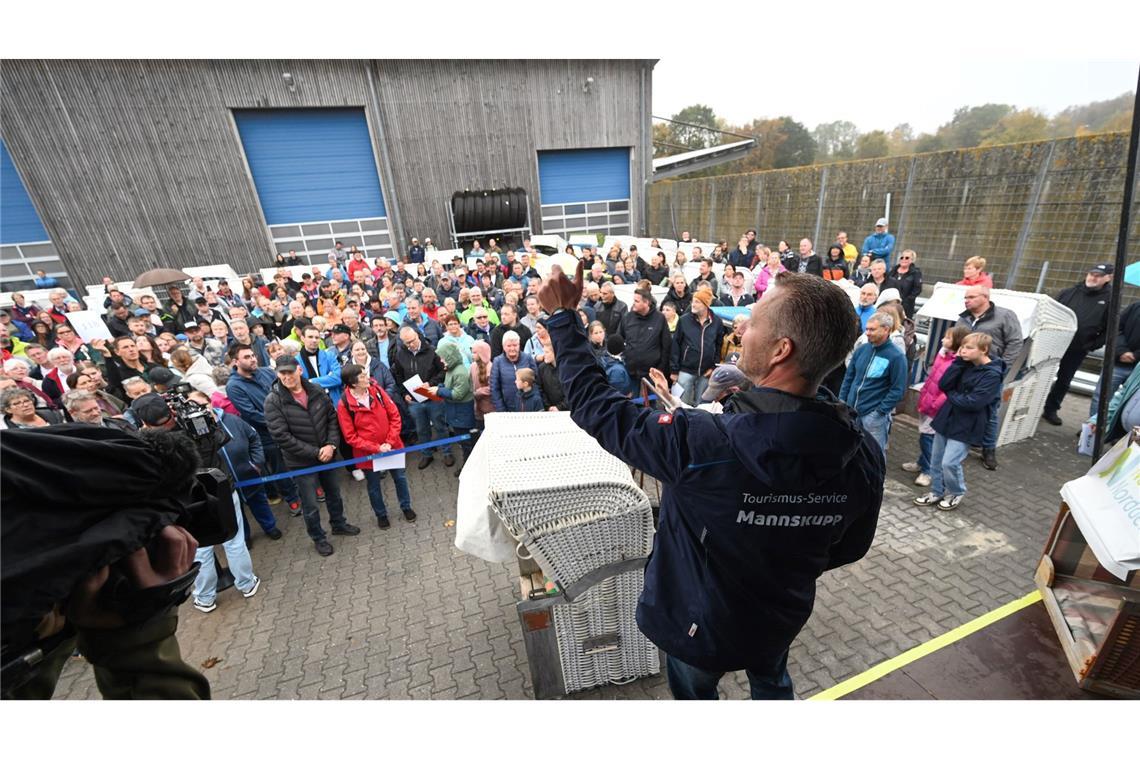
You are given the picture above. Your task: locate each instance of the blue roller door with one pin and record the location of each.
(312, 164)
(19, 222)
(576, 176)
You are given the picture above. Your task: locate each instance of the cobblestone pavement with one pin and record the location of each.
(402, 614)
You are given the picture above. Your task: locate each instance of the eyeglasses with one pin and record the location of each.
(905, 258)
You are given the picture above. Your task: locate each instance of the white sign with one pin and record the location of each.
(391, 462)
(1106, 505)
(411, 384)
(89, 325)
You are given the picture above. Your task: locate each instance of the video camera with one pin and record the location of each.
(194, 419)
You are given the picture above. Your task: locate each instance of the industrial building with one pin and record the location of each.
(114, 167)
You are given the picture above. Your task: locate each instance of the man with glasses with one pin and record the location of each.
(415, 357)
(479, 327)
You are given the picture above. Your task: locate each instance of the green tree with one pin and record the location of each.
(927, 143)
(1019, 126)
(797, 148)
(970, 122)
(835, 140)
(662, 145)
(872, 145)
(697, 136)
(901, 140)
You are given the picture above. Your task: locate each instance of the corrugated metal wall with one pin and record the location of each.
(133, 164)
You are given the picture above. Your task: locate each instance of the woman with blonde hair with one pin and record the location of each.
(974, 273)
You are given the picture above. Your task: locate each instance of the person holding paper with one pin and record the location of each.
(370, 422)
(415, 365)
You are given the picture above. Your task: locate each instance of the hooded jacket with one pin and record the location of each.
(1091, 308)
(456, 391)
(200, 375)
(970, 392)
(648, 342)
(681, 302)
(756, 506)
(248, 395)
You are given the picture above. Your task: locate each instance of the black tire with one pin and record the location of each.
(500, 206)
(469, 212)
(520, 207)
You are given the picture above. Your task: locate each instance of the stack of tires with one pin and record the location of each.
(489, 210)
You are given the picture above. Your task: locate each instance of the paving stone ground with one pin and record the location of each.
(402, 614)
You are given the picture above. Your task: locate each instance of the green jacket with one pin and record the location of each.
(466, 315)
(458, 378)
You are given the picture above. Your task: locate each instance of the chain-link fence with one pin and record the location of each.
(1038, 212)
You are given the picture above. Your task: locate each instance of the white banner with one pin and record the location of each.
(1106, 505)
(89, 325)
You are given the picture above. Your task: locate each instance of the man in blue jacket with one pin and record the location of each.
(875, 380)
(319, 365)
(880, 243)
(246, 389)
(757, 503)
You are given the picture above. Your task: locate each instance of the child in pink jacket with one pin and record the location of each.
(930, 400)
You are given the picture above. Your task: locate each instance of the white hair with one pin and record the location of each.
(510, 336)
(59, 353)
(883, 320)
(14, 363)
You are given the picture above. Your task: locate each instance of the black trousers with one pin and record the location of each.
(1070, 363)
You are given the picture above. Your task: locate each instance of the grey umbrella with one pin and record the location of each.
(160, 277)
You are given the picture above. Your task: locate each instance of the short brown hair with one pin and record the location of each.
(819, 320)
(526, 374)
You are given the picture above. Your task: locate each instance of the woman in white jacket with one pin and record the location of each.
(195, 370)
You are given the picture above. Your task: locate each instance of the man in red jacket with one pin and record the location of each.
(370, 423)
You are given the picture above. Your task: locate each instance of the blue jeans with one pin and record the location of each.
(237, 556)
(947, 478)
(879, 426)
(286, 487)
(258, 503)
(694, 386)
(310, 507)
(430, 424)
(376, 494)
(1120, 373)
(993, 426)
(688, 682)
(925, 444)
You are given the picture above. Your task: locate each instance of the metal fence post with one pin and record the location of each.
(1030, 212)
(819, 206)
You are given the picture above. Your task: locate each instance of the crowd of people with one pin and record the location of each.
(363, 356)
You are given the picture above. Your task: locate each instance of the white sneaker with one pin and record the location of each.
(911, 467)
(358, 474)
(205, 607)
(253, 589)
(951, 502)
(928, 500)
(922, 480)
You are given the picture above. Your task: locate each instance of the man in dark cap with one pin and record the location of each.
(1089, 301)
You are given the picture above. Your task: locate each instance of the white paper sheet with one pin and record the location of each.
(677, 390)
(393, 462)
(89, 326)
(415, 382)
(1106, 505)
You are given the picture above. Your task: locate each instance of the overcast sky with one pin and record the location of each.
(924, 92)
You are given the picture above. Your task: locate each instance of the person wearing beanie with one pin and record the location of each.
(614, 367)
(696, 347)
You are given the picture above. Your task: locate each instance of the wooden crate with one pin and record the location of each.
(1096, 615)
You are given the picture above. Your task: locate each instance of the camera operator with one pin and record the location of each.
(67, 551)
(154, 413)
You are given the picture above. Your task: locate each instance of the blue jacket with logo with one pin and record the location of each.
(875, 380)
(757, 504)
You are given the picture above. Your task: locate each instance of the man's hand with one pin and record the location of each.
(100, 345)
(326, 453)
(1128, 357)
(409, 399)
(660, 384)
(558, 292)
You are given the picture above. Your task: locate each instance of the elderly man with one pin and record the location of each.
(610, 311)
(696, 347)
(808, 262)
(881, 243)
(63, 365)
(875, 379)
(302, 420)
(509, 323)
(868, 294)
(83, 406)
(1003, 326)
(413, 357)
(504, 392)
(1089, 301)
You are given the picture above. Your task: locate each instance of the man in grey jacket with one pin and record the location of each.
(1003, 326)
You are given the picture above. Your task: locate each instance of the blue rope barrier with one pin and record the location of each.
(347, 462)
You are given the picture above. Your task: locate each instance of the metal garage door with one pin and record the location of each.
(316, 177)
(584, 190)
(24, 243)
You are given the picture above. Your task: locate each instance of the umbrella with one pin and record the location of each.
(1132, 273)
(160, 277)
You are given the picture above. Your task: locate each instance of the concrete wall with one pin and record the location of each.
(1019, 206)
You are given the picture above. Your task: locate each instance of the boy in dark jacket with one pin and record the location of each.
(971, 384)
(530, 400)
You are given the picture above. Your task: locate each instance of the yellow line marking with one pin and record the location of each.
(844, 688)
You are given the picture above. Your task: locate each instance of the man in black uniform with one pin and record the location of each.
(1089, 300)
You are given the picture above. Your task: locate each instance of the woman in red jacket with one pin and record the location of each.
(370, 423)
